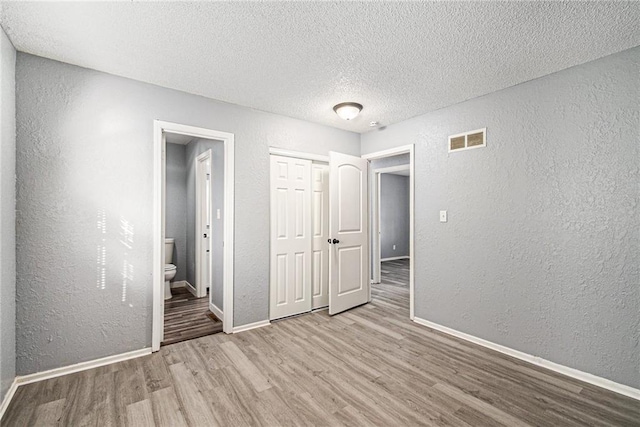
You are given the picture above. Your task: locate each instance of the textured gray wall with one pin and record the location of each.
(176, 206)
(85, 168)
(193, 150)
(394, 215)
(542, 250)
(7, 215)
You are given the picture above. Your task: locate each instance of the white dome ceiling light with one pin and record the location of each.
(348, 110)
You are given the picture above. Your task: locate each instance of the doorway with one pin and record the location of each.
(204, 247)
(392, 263)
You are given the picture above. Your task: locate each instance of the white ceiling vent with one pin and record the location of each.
(464, 141)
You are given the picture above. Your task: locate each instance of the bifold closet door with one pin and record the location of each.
(320, 226)
(291, 239)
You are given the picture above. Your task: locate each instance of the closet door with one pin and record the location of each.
(291, 238)
(320, 226)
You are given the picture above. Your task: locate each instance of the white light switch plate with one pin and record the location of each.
(443, 216)
(218, 213)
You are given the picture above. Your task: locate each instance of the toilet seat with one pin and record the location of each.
(169, 267)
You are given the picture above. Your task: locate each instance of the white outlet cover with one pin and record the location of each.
(443, 216)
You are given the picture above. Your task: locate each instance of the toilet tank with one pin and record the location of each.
(168, 250)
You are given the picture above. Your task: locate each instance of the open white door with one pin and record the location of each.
(203, 224)
(320, 225)
(291, 240)
(348, 232)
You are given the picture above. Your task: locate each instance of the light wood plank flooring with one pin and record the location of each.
(187, 317)
(369, 366)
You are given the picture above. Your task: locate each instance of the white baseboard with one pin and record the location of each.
(394, 258)
(191, 288)
(561, 369)
(58, 372)
(82, 366)
(249, 326)
(178, 284)
(215, 310)
(8, 397)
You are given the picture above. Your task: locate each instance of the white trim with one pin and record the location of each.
(377, 233)
(412, 194)
(250, 326)
(228, 242)
(298, 154)
(538, 361)
(394, 258)
(8, 396)
(159, 169)
(191, 289)
(388, 153)
(82, 366)
(392, 169)
(159, 143)
(215, 310)
(466, 135)
(412, 230)
(201, 290)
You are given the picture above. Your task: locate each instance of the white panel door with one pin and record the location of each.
(320, 227)
(204, 255)
(290, 277)
(348, 232)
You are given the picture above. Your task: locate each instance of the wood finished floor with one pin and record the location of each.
(187, 317)
(369, 366)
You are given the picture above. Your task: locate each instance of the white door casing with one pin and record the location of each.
(320, 234)
(348, 225)
(204, 255)
(291, 242)
(160, 128)
(409, 149)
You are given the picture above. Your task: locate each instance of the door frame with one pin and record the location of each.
(410, 149)
(377, 254)
(160, 128)
(201, 290)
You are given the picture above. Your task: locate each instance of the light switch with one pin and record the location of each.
(443, 216)
(218, 213)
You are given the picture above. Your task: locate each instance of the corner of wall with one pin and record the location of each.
(7, 216)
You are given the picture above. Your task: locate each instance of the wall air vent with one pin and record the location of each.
(464, 141)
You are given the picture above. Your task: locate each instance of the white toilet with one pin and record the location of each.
(169, 269)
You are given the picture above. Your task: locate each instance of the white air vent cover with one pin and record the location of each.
(464, 141)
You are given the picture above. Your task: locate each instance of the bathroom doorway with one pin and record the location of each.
(193, 238)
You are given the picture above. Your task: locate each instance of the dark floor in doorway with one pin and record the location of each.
(187, 317)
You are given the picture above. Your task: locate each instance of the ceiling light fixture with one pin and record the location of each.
(348, 110)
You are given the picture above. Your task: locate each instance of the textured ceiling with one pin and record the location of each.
(299, 59)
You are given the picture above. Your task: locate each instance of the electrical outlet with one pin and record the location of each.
(218, 213)
(394, 247)
(443, 216)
